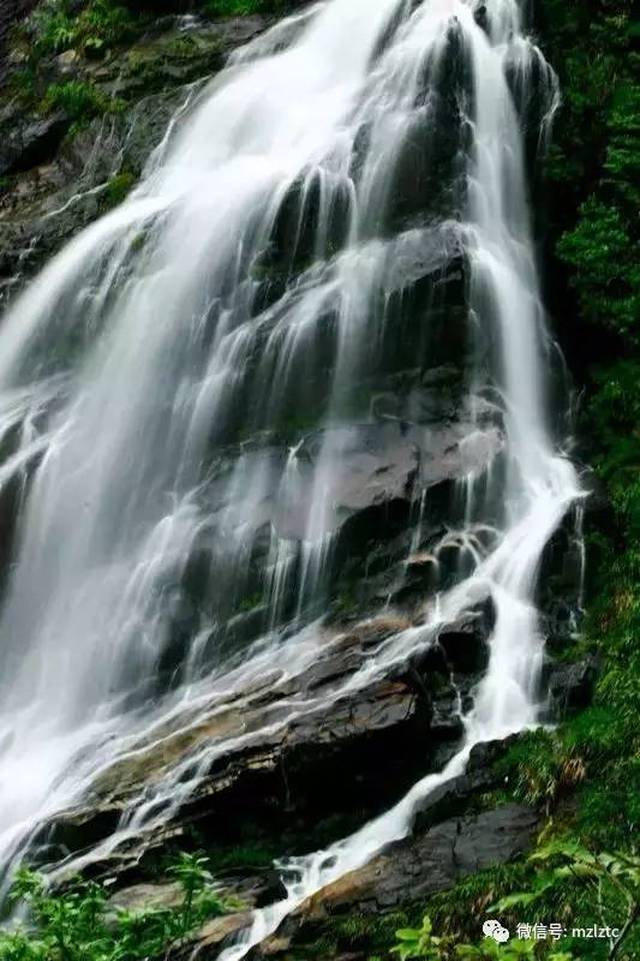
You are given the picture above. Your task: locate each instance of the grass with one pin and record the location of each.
(242, 8)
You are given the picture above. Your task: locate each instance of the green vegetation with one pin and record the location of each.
(236, 8)
(58, 25)
(593, 175)
(118, 187)
(561, 872)
(95, 27)
(614, 878)
(421, 943)
(585, 776)
(78, 99)
(542, 768)
(79, 924)
(594, 167)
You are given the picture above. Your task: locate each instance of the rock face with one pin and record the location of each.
(10, 12)
(408, 871)
(58, 175)
(284, 760)
(431, 862)
(31, 142)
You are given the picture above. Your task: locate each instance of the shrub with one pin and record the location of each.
(421, 943)
(541, 768)
(79, 100)
(239, 8)
(78, 924)
(55, 26)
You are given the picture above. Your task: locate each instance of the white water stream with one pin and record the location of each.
(126, 361)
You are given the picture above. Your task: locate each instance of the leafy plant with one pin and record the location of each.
(57, 25)
(421, 943)
(200, 897)
(541, 768)
(238, 8)
(79, 924)
(615, 877)
(78, 99)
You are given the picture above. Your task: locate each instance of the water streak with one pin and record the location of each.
(263, 267)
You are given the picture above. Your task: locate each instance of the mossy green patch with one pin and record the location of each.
(118, 187)
(79, 100)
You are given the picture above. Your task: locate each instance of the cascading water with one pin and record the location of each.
(260, 268)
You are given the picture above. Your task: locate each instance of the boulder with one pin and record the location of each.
(28, 141)
(570, 686)
(408, 871)
(419, 866)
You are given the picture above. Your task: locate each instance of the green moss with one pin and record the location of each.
(119, 187)
(23, 84)
(154, 63)
(250, 603)
(80, 101)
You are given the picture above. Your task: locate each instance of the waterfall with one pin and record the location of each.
(255, 271)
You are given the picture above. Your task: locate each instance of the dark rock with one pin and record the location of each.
(465, 642)
(430, 169)
(480, 15)
(484, 755)
(458, 794)
(59, 183)
(27, 141)
(211, 937)
(570, 686)
(413, 869)
(10, 12)
(279, 771)
(277, 766)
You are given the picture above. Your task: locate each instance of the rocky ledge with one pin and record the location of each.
(59, 171)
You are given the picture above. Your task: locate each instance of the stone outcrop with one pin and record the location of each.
(431, 862)
(408, 871)
(58, 175)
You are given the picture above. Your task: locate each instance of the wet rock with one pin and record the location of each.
(282, 772)
(459, 794)
(430, 862)
(262, 757)
(10, 12)
(465, 641)
(570, 686)
(211, 937)
(26, 142)
(432, 859)
(429, 176)
(244, 890)
(358, 467)
(370, 545)
(60, 183)
(480, 16)
(147, 896)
